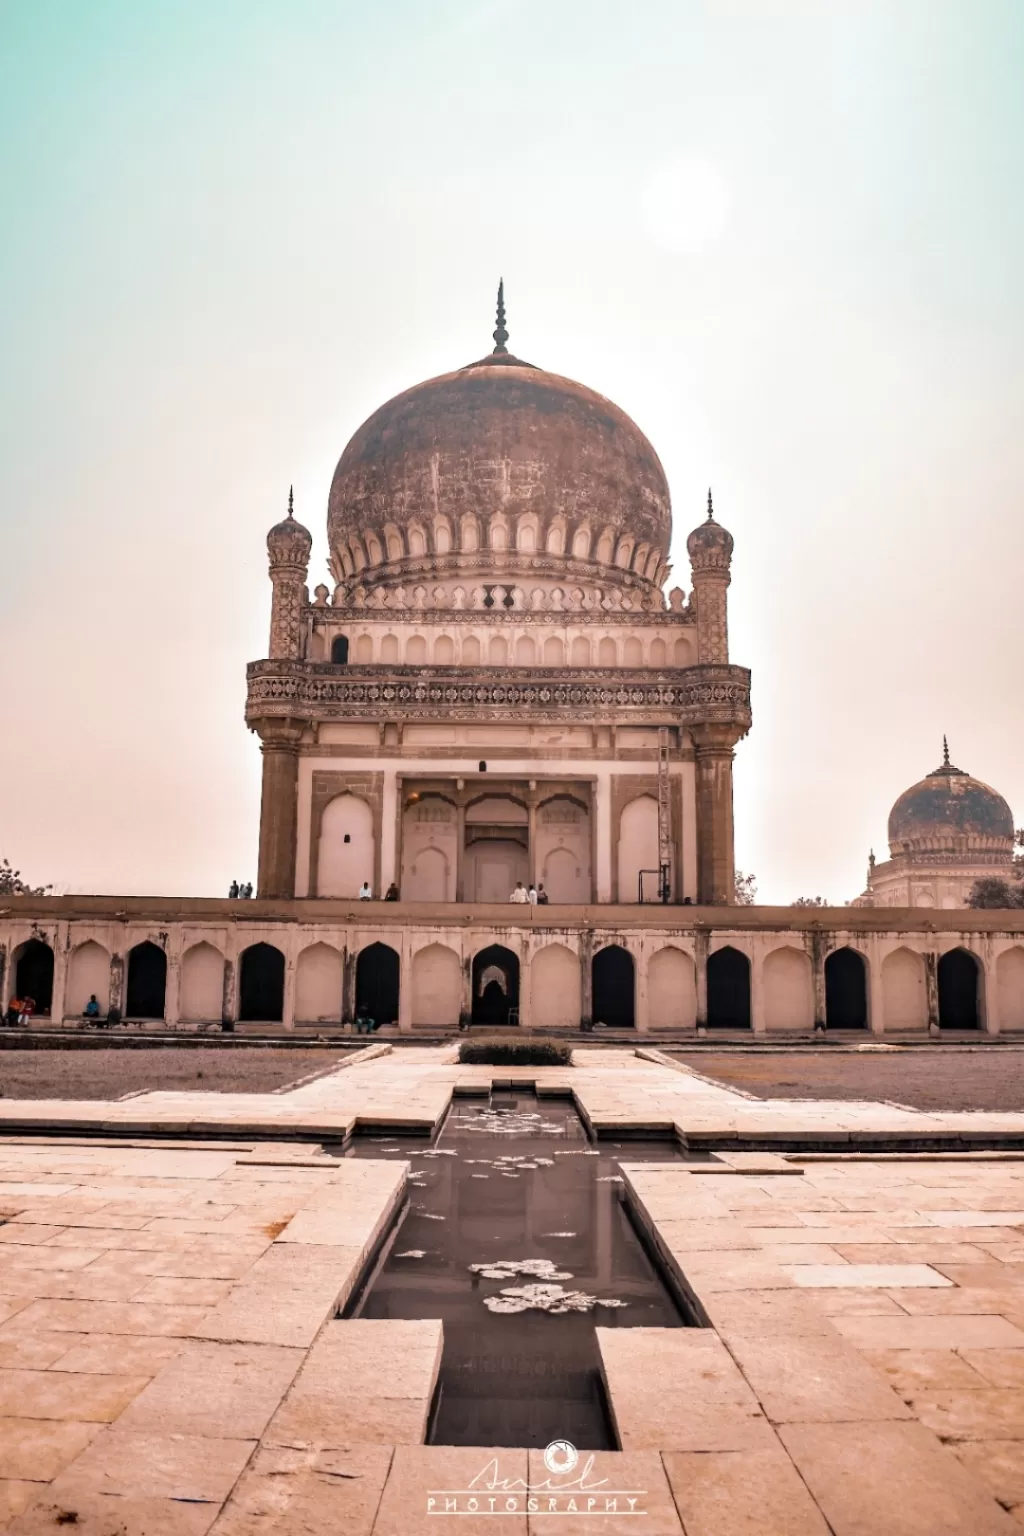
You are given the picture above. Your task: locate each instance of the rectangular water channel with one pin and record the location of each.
(516, 1236)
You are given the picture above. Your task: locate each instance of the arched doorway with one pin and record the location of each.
(146, 983)
(33, 974)
(958, 990)
(495, 985)
(846, 990)
(377, 983)
(261, 984)
(613, 979)
(728, 989)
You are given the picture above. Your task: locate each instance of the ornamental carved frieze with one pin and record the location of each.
(684, 696)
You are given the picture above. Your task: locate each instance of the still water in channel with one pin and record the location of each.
(517, 1238)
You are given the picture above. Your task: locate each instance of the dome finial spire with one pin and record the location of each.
(945, 752)
(291, 502)
(711, 510)
(500, 334)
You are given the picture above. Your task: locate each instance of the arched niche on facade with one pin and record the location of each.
(905, 1000)
(364, 650)
(318, 985)
(638, 849)
(659, 653)
(471, 651)
(495, 986)
(1010, 988)
(607, 652)
(202, 984)
(613, 984)
(444, 651)
(389, 650)
(88, 976)
(377, 983)
(555, 990)
(146, 982)
(562, 856)
(960, 996)
(671, 989)
(788, 989)
(728, 989)
(347, 847)
(416, 651)
(632, 652)
(554, 651)
(261, 984)
(436, 986)
(846, 989)
(33, 974)
(430, 831)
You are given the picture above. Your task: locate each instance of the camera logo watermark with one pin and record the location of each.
(572, 1488)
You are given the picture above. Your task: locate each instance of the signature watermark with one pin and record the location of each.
(571, 1488)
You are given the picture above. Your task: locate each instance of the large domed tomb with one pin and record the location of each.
(496, 687)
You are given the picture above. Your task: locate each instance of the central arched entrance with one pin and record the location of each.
(377, 980)
(614, 987)
(495, 986)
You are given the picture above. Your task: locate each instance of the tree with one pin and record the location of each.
(1018, 858)
(746, 889)
(11, 883)
(810, 901)
(993, 892)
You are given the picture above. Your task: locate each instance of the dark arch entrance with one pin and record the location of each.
(728, 989)
(33, 974)
(846, 990)
(339, 650)
(495, 985)
(613, 978)
(261, 984)
(377, 983)
(147, 982)
(958, 990)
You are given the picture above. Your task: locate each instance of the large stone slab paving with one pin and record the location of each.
(302, 1490)
(285, 1298)
(208, 1387)
(363, 1381)
(608, 1493)
(677, 1389)
(421, 1473)
(891, 1479)
(754, 1492)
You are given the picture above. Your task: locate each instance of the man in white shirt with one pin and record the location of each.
(531, 895)
(365, 893)
(519, 894)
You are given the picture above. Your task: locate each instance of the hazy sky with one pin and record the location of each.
(787, 236)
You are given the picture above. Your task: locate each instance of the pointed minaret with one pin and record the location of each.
(945, 753)
(500, 333)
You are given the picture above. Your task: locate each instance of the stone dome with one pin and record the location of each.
(948, 811)
(499, 468)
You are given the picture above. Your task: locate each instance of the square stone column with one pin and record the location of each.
(279, 806)
(603, 836)
(390, 850)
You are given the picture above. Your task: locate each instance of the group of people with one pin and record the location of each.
(238, 892)
(536, 895)
(366, 892)
(20, 1010)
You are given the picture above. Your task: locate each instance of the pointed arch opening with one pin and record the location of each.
(959, 976)
(261, 984)
(613, 976)
(377, 983)
(146, 982)
(495, 986)
(33, 975)
(728, 989)
(846, 990)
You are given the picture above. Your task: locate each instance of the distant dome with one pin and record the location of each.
(950, 811)
(496, 468)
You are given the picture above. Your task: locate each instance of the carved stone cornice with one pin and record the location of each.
(599, 618)
(688, 696)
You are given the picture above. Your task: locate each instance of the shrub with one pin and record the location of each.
(514, 1051)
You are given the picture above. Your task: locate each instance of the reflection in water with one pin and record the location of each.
(520, 1273)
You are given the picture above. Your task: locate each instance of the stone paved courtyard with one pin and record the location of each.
(171, 1359)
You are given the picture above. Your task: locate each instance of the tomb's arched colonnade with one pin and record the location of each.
(689, 968)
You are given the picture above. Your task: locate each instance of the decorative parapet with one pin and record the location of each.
(687, 696)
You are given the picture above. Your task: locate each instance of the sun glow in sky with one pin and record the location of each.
(786, 237)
